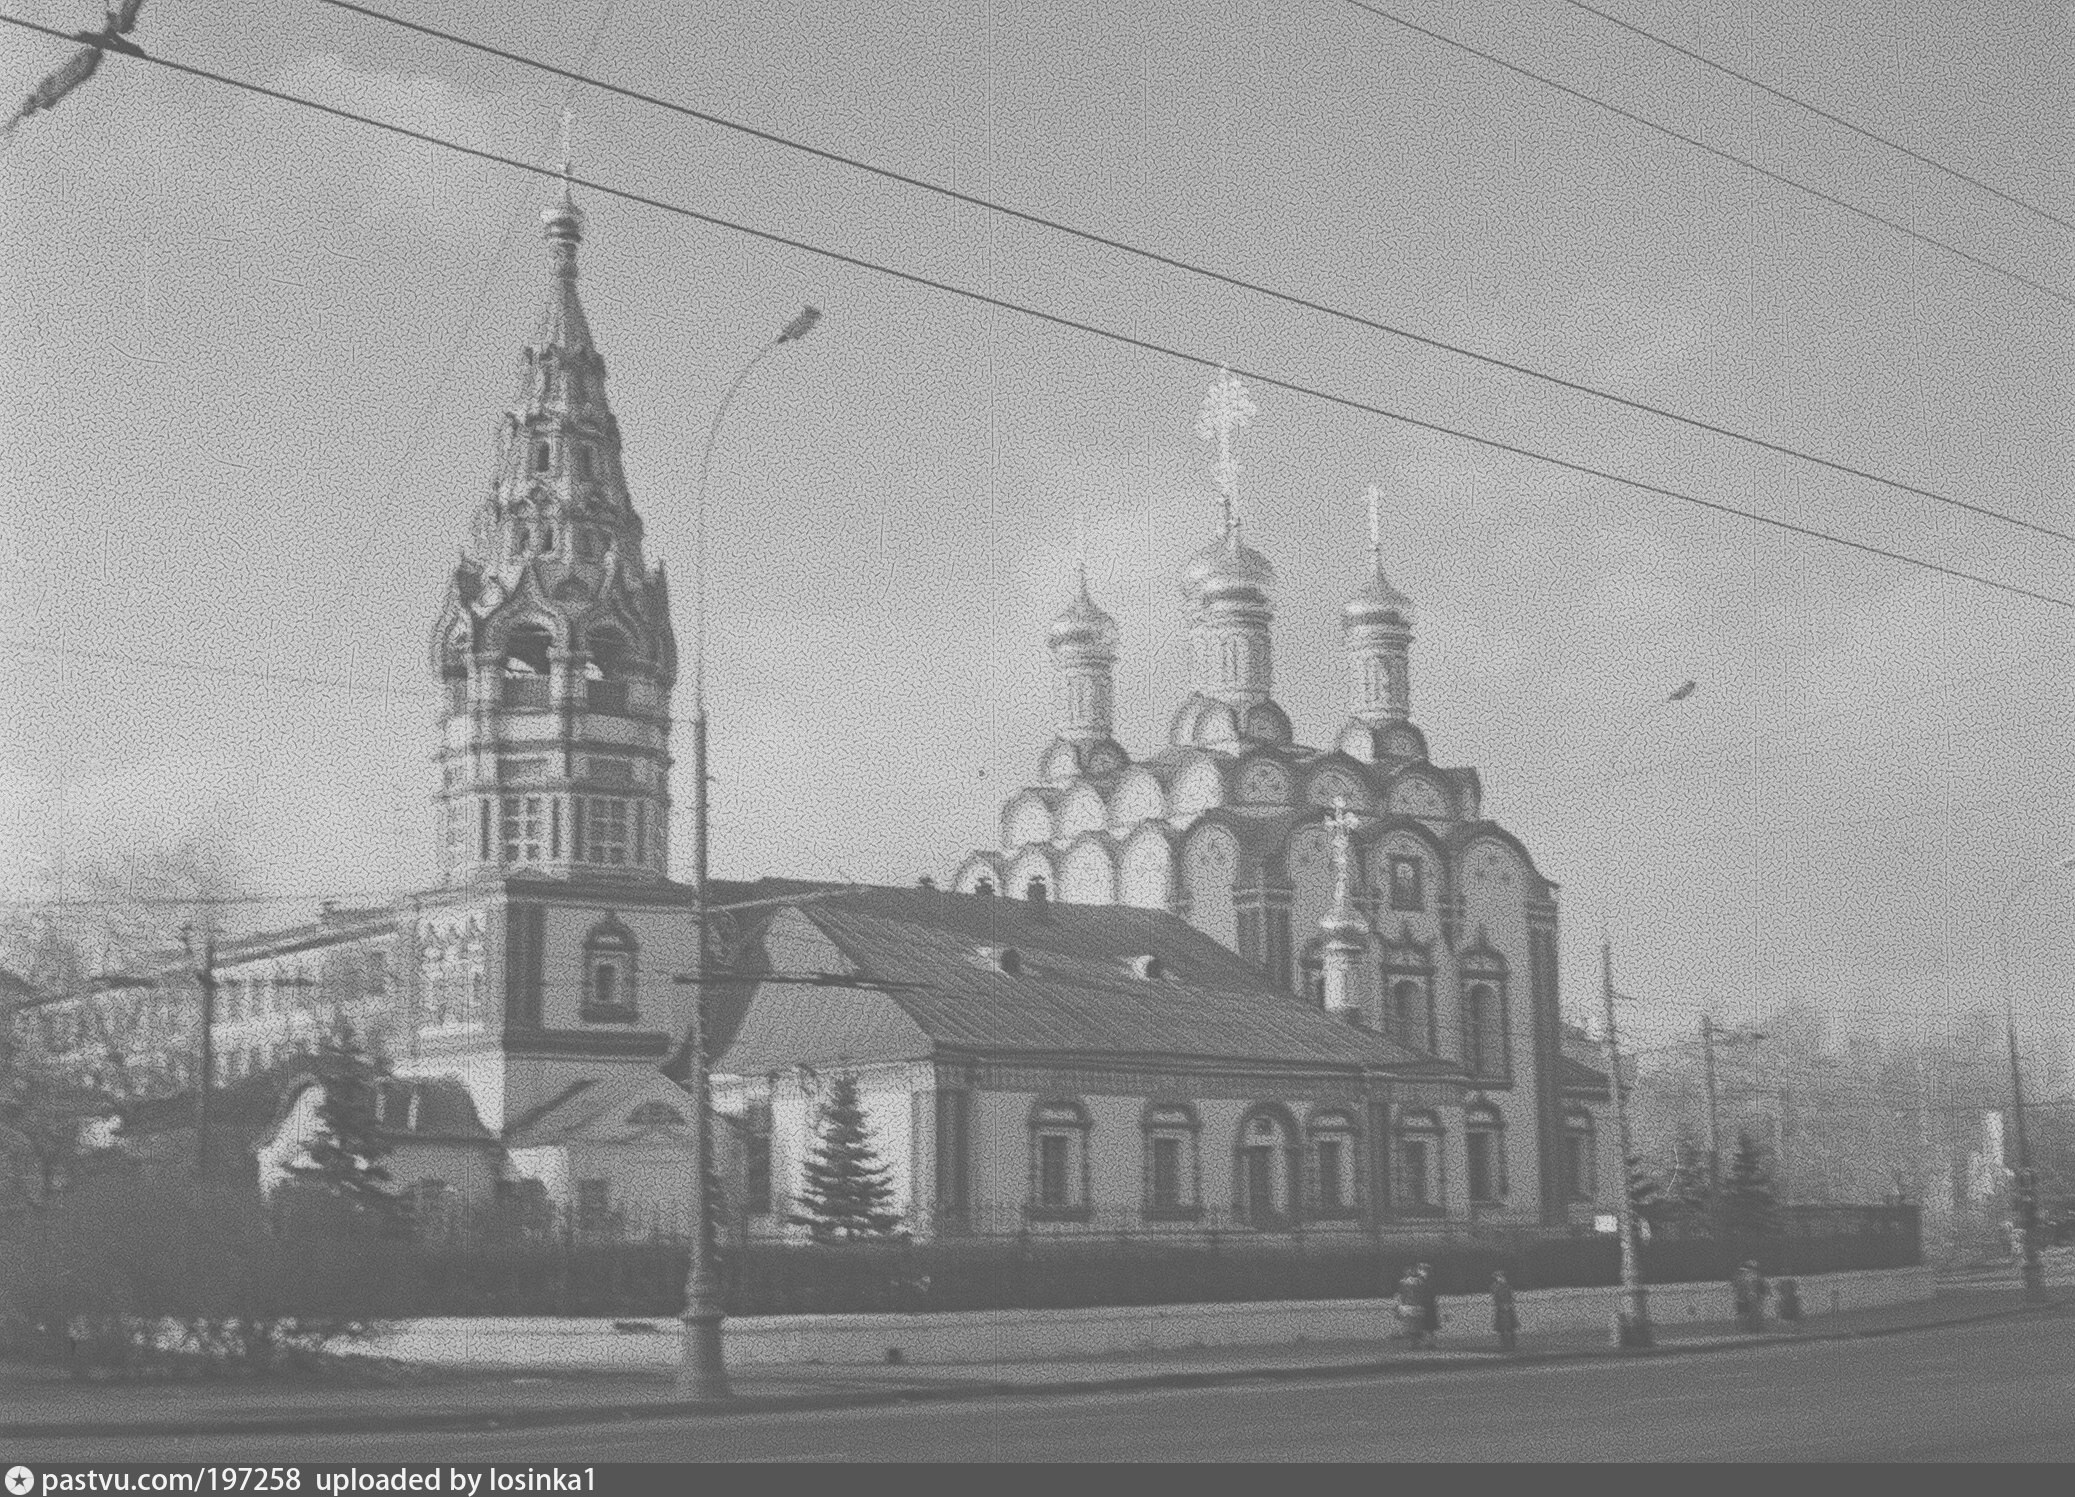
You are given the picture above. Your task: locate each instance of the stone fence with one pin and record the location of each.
(1038, 1335)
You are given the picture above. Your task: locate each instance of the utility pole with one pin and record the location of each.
(1707, 1051)
(1632, 1320)
(205, 975)
(2026, 1181)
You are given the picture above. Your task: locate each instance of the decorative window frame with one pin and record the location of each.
(1067, 1118)
(1482, 966)
(610, 944)
(1333, 1124)
(1289, 1211)
(1483, 1119)
(1395, 1025)
(1179, 1121)
(1403, 869)
(1419, 1125)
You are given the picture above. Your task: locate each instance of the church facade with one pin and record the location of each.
(1433, 928)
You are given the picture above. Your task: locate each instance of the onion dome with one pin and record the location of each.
(1227, 562)
(1082, 623)
(1377, 601)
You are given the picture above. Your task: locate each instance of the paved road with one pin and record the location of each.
(2004, 1389)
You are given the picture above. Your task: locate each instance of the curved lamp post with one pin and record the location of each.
(1632, 1318)
(703, 1371)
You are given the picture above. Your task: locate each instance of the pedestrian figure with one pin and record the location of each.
(1411, 1309)
(1750, 1291)
(1790, 1300)
(1504, 1318)
(1430, 1306)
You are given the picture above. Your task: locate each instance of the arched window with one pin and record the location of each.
(525, 666)
(1412, 1013)
(1484, 1013)
(522, 542)
(1417, 1178)
(1173, 1168)
(1408, 883)
(543, 456)
(1484, 1155)
(610, 954)
(655, 1115)
(1580, 1152)
(1484, 1030)
(1311, 975)
(1058, 1160)
(583, 461)
(1266, 1167)
(1333, 1175)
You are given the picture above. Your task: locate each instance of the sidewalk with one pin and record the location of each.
(37, 1403)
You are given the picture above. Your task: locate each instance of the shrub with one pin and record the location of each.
(155, 1271)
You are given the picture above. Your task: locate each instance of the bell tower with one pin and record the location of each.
(553, 647)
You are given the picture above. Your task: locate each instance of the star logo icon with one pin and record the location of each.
(20, 1481)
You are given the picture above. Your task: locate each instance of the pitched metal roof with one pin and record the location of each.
(1075, 990)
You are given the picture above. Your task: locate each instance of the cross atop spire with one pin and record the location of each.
(562, 222)
(1226, 409)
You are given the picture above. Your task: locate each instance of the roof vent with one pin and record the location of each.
(1037, 892)
(1006, 959)
(1148, 968)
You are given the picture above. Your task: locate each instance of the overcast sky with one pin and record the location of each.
(253, 356)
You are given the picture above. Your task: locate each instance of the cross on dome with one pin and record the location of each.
(1343, 823)
(1226, 409)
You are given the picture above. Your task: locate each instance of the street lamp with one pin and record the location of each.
(703, 1372)
(2027, 1180)
(1632, 1319)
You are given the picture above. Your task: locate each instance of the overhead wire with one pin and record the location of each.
(577, 78)
(1698, 144)
(1824, 114)
(1055, 319)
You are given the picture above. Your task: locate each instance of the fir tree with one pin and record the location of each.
(848, 1189)
(345, 1158)
(1749, 1209)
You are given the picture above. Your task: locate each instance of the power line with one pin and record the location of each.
(1171, 262)
(1699, 144)
(1836, 119)
(1197, 360)
(201, 668)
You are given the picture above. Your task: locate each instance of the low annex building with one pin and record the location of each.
(1025, 1064)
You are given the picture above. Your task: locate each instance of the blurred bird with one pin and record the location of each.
(1685, 691)
(116, 26)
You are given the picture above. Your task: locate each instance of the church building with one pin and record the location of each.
(1436, 931)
